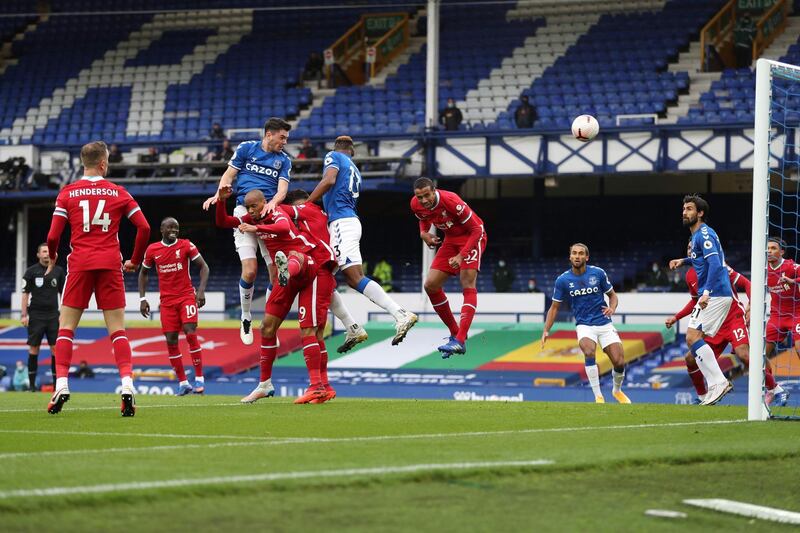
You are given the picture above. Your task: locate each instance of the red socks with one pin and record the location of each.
(442, 307)
(64, 352)
(323, 365)
(269, 351)
(312, 356)
(196, 353)
(467, 313)
(696, 377)
(176, 360)
(294, 266)
(122, 353)
(769, 379)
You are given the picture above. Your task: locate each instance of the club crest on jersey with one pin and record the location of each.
(277, 164)
(592, 281)
(178, 254)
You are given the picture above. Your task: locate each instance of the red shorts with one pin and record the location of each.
(106, 285)
(323, 294)
(733, 331)
(471, 261)
(306, 288)
(779, 326)
(176, 313)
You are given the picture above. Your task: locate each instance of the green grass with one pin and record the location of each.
(610, 463)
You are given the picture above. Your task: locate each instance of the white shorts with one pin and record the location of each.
(603, 335)
(346, 241)
(246, 243)
(710, 319)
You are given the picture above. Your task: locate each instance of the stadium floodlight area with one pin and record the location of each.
(776, 212)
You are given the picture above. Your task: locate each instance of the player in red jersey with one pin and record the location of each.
(179, 303)
(93, 207)
(297, 277)
(733, 330)
(459, 254)
(313, 223)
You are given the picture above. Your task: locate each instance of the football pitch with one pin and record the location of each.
(209, 463)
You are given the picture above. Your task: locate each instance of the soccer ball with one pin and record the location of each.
(585, 128)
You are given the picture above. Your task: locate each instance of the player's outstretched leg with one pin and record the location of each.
(196, 353)
(696, 376)
(617, 356)
(404, 320)
(63, 360)
(123, 357)
(246, 289)
(264, 389)
(311, 354)
(176, 360)
(718, 384)
(355, 334)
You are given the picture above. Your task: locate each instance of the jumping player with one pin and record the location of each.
(93, 207)
(459, 255)
(256, 165)
(297, 276)
(585, 285)
(716, 296)
(179, 303)
(339, 190)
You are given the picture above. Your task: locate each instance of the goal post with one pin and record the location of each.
(774, 158)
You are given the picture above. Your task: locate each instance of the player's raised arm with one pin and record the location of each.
(226, 181)
(328, 180)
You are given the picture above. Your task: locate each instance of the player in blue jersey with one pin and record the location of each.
(256, 165)
(586, 286)
(716, 295)
(339, 191)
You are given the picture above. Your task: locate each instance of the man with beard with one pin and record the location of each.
(586, 286)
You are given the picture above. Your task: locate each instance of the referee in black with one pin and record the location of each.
(40, 302)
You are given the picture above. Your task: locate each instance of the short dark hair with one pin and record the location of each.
(39, 248)
(421, 183)
(93, 153)
(699, 203)
(571, 246)
(274, 124)
(343, 142)
(293, 196)
(165, 219)
(777, 240)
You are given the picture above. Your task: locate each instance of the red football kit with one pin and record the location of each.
(93, 207)
(734, 328)
(178, 301)
(463, 229)
(784, 307)
(281, 235)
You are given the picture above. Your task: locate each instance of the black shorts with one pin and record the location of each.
(39, 327)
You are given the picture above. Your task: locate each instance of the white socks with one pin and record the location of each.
(708, 365)
(200, 379)
(340, 311)
(246, 300)
(619, 378)
(264, 385)
(375, 292)
(593, 373)
(127, 384)
(62, 383)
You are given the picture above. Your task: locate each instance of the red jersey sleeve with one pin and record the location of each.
(148, 257)
(224, 220)
(194, 253)
(687, 309)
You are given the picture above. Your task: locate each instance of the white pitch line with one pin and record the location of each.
(265, 441)
(220, 480)
(747, 509)
(146, 406)
(123, 434)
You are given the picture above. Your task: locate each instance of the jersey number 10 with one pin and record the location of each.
(100, 218)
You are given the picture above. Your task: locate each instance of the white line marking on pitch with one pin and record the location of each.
(315, 474)
(747, 509)
(146, 406)
(266, 441)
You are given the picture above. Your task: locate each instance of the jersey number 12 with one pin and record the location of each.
(100, 218)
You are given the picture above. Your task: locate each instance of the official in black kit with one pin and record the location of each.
(40, 306)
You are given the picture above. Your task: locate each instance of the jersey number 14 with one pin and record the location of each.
(100, 218)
